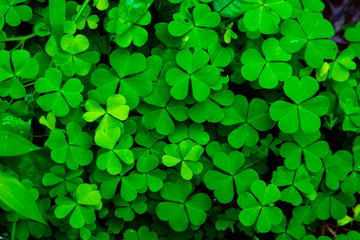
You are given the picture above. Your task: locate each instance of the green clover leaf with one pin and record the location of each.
(306, 110)
(62, 182)
(58, 97)
(333, 205)
(292, 229)
(258, 206)
(195, 30)
(270, 70)
(352, 35)
(181, 208)
(15, 13)
(124, 77)
(15, 67)
(76, 59)
(248, 119)
(351, 183)
(125, 22)
(127, 210)
(143, 233)
(349, 103)
(297, 183)
(81, 209)
(299, 6)
(232, 170)
(310, 30)
(188, 153)
(335, 170)
(73, 149)
(194, 132)
(86, 18)
(341, 66)
(194, 70)
(306, 145)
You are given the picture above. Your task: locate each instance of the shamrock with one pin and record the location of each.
(232, 170)
(227, 220)
(307, 145)
(160, 109)
(258, 206)
(297, 182)
(85, 17)
(335, 170)
(58, 97)
(73, 151)
(75, 60)
(81, 207)
(143, 233)
(341, 66)
(264, 15)
(15, 13)
(349, 102)
(298, 6)
(194, 69)
(310, 30)
(125, 21)
(351, 184)
(351, 235)
(130, 184)
(110, 159)
(195, 29)
(194, 132)
(21, 66)
(188, 153)
(293, 230)
(126, 210)
(122, 78)
(210, 110)
(248, 118)
(180, 208)
(305, 213)
(63, 182)
(334, 205)
(306, 109)
(353, 35)
(116, 111)
(270, 70)
(101, 4)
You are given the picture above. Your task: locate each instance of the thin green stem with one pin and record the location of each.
(23, 38)
(83, 6)
(13, 231)
(254, 163)
(29, 84)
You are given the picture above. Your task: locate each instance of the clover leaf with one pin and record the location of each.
(335, 170)
(232, 170)
(248, 118)
(258, 206)
(118, 150)
(349, 103)
(307, 145)
(352, 35)
(188, 153)
(196, 29)
(58, 97)
(124, 77)
(333, 205)
(143, 233)
(73, 149)
(15, 67)
(270, 70)
(75, 59)
(62, 182)
(341, 66)
(81, 207)
(310, 30)
(15, 13)
(299, 6)
(86, 18)
(307, 109)
(194, 70)
(126, 21)
(194, 132)
(127, 210)
(297, 183)
(351, 183)
(180, 208)
(116, 111)
(293, 230)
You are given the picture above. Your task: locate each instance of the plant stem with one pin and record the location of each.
(83, 6)
(29, 84)
(253, 163)
(13, 231)
(23, 38)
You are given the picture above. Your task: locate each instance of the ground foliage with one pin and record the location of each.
(178, 119)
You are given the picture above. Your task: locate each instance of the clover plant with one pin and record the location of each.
(178, 119)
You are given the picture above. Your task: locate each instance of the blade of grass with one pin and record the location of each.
(86, 2)
(57, 18)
